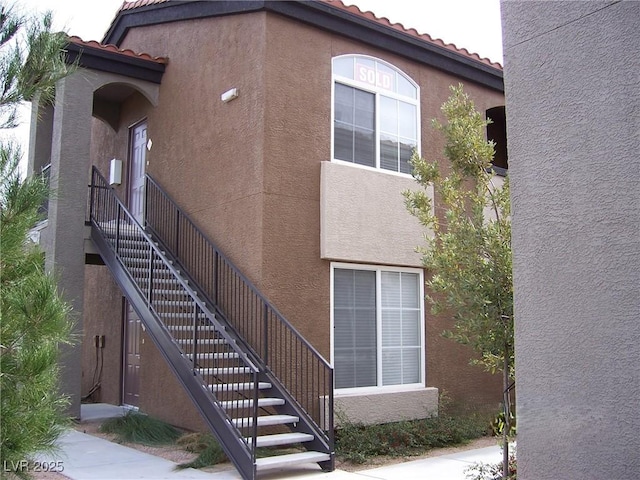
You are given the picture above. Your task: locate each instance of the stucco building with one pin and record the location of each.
(572, 82)
(276, 136)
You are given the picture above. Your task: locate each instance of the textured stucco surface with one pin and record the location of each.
(103, 305)
(64, 235)
(364, 218)
(373, 408)
(249, 171)
(572, 82)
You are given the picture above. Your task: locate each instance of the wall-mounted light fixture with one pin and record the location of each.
(115, 172)
(229, 95)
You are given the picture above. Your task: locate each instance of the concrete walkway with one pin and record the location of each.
(85, 457)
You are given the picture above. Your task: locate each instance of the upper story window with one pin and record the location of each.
(497, 131)
(376, 114)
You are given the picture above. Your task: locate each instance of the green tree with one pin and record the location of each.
(34, 318)
(468, 255)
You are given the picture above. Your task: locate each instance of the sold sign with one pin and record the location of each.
(369, 75)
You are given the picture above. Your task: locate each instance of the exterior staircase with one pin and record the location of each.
(222, 366)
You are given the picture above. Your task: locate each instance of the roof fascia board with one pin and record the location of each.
(321, 15)
(357, 28)
(112, 62)
(173, 11)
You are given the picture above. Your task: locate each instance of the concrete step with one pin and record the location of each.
(277, 461)
(265, 420)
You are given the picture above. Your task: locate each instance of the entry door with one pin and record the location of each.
(138, 162)
(131, 374)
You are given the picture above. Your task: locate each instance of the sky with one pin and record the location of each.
(471, 24)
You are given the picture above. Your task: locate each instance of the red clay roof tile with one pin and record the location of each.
(114, 49)
(354, 9)
(138, 3)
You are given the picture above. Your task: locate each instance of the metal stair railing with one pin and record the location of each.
(178, 328)
(296, 365)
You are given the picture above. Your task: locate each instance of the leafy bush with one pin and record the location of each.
(139, 428)
(492, 471)
(357, 443)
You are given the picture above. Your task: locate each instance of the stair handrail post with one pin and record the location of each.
(265, 334)
(195, 336)
(177, 230)
(146, 201)
(92, 189)
(331, 432)
(254, 413)
(118, 231)
(150, 282)
(215, 276)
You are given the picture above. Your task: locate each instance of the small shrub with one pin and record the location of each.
(139, 428)
(357, 443)
(208, 449)
(492, 471)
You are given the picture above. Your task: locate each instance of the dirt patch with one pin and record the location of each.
(173, 453)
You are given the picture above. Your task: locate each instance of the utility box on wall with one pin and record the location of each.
(115, 172)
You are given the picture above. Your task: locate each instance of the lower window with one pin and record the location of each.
(378, 327)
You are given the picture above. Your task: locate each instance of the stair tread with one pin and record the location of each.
(185, 328)
(265, 420)
(248, 403)
(291, 458)
(232, 387)
(225, 371)
(203, 341)
(213, 355)
(282, 439)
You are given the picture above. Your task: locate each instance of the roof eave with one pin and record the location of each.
(321, 15)
(113, 62)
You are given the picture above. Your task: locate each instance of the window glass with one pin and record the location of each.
(382, 137)
(354, 134)
(359, 346)
(355, 328)
(343, 66)
(406, 88)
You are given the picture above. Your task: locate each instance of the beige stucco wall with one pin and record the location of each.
(363, 217)
(386, 407)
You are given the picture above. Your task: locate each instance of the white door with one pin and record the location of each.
(138, 163)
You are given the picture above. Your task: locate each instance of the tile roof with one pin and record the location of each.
(130, 5)
(354, 9)
(368, 15)
(114, 49)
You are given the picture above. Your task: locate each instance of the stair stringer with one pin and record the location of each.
(214, 416)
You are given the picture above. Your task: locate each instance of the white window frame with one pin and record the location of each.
(378, 269)
(377, 91)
